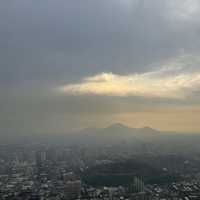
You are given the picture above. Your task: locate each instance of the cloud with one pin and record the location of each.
(70, 39)
(178, 79)
(184, 10)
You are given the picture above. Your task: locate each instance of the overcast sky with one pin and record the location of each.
(71, 64)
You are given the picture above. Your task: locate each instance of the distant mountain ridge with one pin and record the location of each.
(114, 134)
(121, 129)
(117, 135)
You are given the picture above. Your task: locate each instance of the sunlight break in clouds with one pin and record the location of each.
(164, 83)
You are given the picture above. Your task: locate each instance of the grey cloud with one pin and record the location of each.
(60, 40)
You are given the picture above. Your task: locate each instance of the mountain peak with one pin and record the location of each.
(148, 129)
(117, 125)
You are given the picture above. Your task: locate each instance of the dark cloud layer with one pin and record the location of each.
(61, 40)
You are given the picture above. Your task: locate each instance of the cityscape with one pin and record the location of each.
(51, 172)
(99, 99)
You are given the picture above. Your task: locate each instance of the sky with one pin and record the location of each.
(70, 64)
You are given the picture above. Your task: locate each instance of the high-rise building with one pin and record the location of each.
(40, 158)
(72, 190)
(136, 186)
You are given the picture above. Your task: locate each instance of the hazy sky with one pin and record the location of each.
(70, 64)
